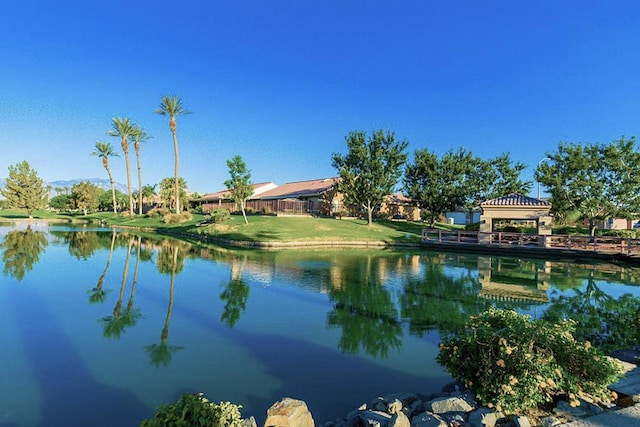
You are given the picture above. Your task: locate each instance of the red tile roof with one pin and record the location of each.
(314, 187)
(224, 194)
(515, 200)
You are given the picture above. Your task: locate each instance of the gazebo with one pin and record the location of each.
(516, 207)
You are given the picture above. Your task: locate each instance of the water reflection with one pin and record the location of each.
(97, 295)
(21, 251)
(170, 261)
(235, 293)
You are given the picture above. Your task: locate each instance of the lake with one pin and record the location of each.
(99, 326)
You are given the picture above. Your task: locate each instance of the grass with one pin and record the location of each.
(260, 228)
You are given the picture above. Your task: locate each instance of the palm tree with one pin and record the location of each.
(172, 106)
(147, 192)
(138, 136)
(104, 150)
(124, 129)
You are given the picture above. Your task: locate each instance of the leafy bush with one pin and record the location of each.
(219, 215)
(194, 410)
(158, 212)
(176, 218)
(515, 364)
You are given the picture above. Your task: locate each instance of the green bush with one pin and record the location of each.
(158, 212)
(220, 215)
(515, 364)
(177, 218)
(194, 410)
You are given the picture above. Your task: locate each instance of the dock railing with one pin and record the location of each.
(603, 244)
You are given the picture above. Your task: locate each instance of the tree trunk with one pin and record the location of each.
(137, 147)
(369, 214)
(126, 161)
(113, 190)
(244, 215)
(177, 162)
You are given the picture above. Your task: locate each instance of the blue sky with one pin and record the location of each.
(281, 82)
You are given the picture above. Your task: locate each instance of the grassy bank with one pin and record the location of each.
(260, 228)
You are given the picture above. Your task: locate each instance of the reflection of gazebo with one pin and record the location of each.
(516, 207)
(514, 281)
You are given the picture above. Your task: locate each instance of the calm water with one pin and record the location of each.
(99, 328)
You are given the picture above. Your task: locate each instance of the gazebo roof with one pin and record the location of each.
(515, 200)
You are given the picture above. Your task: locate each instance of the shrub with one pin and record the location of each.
(158, 212)
(194, 410)
(515, 364)
(176, 218)
(219, 215)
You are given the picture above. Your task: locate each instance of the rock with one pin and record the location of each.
(417, 407)
(564, 409)
(394, 407)
(522, 421)
(449, 404)
(454, 418)
(371, 418)
(248, 422)
(399, 419)
(484, 417)
(289, 413)
(550, 422)
(428, 419)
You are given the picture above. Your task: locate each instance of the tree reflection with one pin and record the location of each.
(170, 261)
(115, 324)
(82, 244)
(22, 251)
(235, 294)
(607, 322)
(364, 310)
(98, 294)
(440, 301)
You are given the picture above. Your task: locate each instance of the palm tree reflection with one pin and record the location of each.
(115, 324)
(97, 294)
(170, 261)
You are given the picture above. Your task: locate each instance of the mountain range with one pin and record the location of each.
(68, 184)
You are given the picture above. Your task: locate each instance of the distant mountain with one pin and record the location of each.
(100, 182)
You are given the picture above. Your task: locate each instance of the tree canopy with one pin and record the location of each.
(597, 181)
(167, 193)
(239, 183)
(85, 196)
(371, 168)
(24, 190)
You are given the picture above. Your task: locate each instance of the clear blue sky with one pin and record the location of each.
(281, 82)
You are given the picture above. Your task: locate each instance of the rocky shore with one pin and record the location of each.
(455, 406)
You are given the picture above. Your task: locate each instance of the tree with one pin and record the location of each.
(496, 177)
(24, 190)
(124, 129)
(438, 185)
(60, 202)
(85, 196)
(239, 184)
(21, 251)
(598, 181)
(106, 200)
(172, 106)
(104, 150)
(148, 191)
(167, 194)
(371, 168)
(139, 135)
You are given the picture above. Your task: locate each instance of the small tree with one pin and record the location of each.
(85, 196)
(239, 184)
(24, 190)
(371, 168)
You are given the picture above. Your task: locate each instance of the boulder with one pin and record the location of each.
(441, 405)
(399, 419)
(484, 417)
(289, 413)
(428, 419)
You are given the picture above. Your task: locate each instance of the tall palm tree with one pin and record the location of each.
(104, 150)
(138, 136)
(124, 129)
(148, 191)
(172, 106)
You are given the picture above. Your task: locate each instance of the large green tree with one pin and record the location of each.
(21, 251)
(85, 196)
(167, 191)
(437, 185)
(123, 128)
(172, 106)
(598, 181)
(139, 135)
(371, 168)
(239, 183)
(24, 190)
(104, 150)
